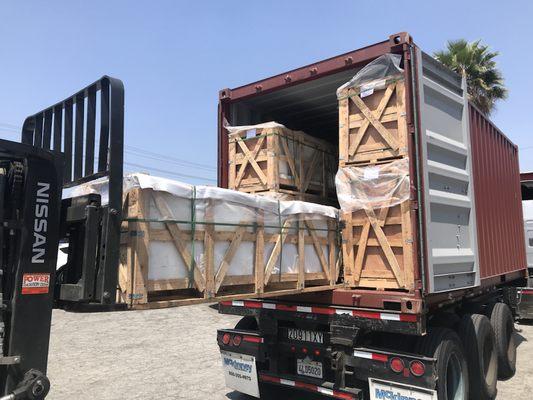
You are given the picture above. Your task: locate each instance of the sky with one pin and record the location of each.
(174, 57)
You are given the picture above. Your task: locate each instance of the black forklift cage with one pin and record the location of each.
(69, 127)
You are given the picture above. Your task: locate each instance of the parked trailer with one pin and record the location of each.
(522, 298)
(449, 335)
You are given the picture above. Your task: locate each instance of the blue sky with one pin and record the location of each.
(174, 56)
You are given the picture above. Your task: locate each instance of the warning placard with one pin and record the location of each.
(35, 283)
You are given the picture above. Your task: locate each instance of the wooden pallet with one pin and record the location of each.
(209, 279)
(372, 125)
(274, 159)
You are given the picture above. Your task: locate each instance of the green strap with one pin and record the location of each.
(251, 225)
(281, 241)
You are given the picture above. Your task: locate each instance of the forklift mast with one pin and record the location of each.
(91, 228)
(59, 151)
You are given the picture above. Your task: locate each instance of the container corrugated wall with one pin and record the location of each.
(500, 227)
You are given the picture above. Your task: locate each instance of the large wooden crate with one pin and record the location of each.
(372, 123)
(274, 158)
(377, 248)
(179, 251)
(377, 241)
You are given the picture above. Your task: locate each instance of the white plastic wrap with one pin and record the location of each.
(196, 208)
(374, 75)
(374, 186)
(250, 128)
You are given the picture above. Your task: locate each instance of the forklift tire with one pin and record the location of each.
(502, 323)
(482, 357)
(444, 345)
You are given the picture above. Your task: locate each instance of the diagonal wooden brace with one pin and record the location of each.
(369, 115)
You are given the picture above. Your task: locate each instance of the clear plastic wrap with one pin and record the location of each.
(374, 75)
(373, 186)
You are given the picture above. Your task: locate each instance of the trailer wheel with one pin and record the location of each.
(502, 323)
(444, 345)
(478, 337)
(247, 323)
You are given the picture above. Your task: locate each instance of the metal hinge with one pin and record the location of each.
(135, 296)
(137, 233)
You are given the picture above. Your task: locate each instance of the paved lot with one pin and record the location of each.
(170, 354)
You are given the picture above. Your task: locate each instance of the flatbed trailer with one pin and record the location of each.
(451, 334)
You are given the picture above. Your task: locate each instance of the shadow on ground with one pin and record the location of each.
(277, 393)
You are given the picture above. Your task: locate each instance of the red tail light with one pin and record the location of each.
(304, 350)
(293, 349)
(397, 365)
(226, 338)
(317, 352)
(417, 368)
(237, 339)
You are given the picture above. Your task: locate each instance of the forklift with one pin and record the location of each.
(58, 151)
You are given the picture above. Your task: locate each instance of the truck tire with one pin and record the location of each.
(481, 356)
(502, 323)
(444, 345)
(247, 323)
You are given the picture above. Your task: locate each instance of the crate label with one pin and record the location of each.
(370, 173)
(251, 133)
(366, 91)
(35, 283)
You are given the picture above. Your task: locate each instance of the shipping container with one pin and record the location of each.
(464, 214)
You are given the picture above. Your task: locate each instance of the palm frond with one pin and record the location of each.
(476, 62)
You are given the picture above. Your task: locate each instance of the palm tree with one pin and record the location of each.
(476, 62)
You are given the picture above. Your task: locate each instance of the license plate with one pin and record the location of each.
(305, 336)
(384, 390)
(240, 373)
(309, 368)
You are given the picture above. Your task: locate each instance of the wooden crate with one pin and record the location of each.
(377, 248)
(377, 240)
(276, 158)
(206, 277)
(372, 124)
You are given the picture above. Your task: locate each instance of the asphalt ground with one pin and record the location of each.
(172, 354)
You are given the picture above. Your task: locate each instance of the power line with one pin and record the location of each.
(163, 171)
(162, 157)
(11, 125)
(136, 151)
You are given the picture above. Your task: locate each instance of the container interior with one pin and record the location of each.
(311, 107)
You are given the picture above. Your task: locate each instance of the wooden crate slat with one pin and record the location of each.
(178, 238)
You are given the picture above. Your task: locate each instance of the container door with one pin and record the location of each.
(448, 183)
